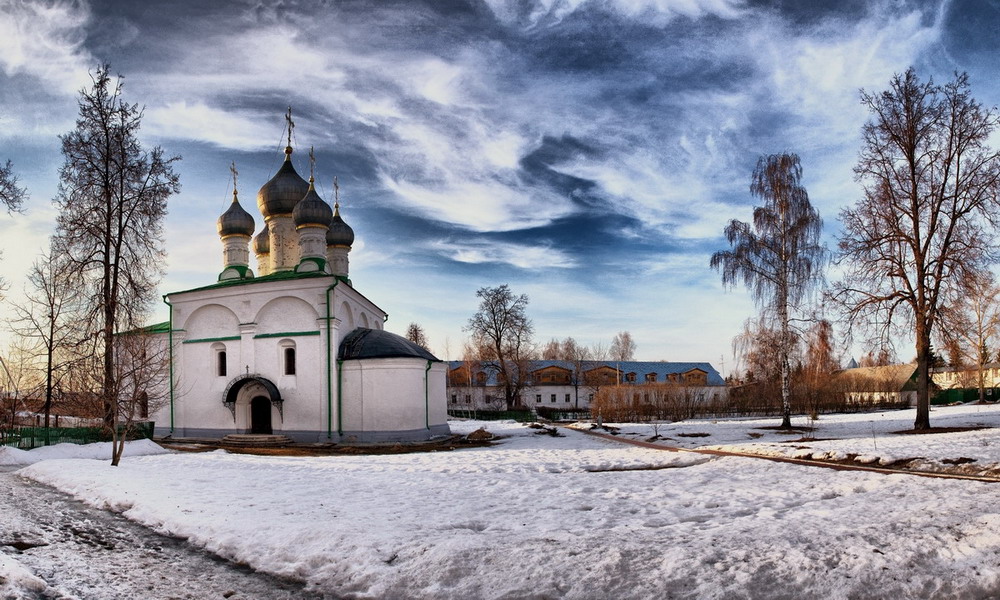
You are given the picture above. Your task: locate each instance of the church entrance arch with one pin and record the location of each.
(260, 415)
(249, 398)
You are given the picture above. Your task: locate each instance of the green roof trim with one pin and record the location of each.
(285, 334)
(228, 338)
(163, 327)
(280, 276)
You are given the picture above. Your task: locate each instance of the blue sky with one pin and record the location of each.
(588, 153)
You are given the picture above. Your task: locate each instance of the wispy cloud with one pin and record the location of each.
(522, 256)
(44, 39)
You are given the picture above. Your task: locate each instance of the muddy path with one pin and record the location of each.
(91, 554)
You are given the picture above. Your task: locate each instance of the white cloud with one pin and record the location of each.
(519, 255)
(227, 129)
(44, 39)
(656, 11)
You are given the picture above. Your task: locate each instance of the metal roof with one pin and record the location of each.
(378, 343)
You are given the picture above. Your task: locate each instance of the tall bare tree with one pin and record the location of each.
(502, 330)
(51, 317)
(778, 257)
(623, 347)
(112, 201)
(970, 322)
(415, 333)
(928, 214)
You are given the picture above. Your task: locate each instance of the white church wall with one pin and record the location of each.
(388, 400)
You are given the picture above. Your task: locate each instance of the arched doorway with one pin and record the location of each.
(260, 415)
(250, 398)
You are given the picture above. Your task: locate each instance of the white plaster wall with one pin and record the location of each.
(388, 395)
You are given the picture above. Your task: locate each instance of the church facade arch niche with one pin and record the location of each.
(211, 321)
(346, 318)
(364, 321)
(255, 403)
(285, 314)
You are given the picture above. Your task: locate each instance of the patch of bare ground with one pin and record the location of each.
(444, 445)
(939, 430)
(693, 435)
(786, 430)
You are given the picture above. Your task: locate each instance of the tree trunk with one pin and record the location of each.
(923, 420)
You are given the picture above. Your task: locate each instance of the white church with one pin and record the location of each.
(294, 349)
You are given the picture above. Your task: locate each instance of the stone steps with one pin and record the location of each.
(255, 440)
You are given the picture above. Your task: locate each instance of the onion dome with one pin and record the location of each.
(262, 241)
(280, 195)
(235, 221)
(311, 210)
(340, 233)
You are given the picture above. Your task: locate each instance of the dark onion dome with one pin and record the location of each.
(340, 233)
(262, 241)
(280, 195)
(377, 343)
(235, 221)
(311, 210)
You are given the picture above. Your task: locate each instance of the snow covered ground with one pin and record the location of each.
(865, 438)
(537, 516)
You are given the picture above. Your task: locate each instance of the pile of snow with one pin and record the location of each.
(569, 517)
(17, 582)
(100, 451)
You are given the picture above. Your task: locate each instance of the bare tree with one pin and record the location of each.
(11, 196)
(552, 350)
(51, 318)
(502, 330)
(778, 257)
(18, 374)
(623, 347)
(820, 363)
(927, 217)
(970, 321)
(598, 351)
(112, 201)
(415, 333)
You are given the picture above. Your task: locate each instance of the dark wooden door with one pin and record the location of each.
(260, 415)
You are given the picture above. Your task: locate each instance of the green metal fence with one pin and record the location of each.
(27, 438)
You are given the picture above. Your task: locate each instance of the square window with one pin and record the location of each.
(567, 398)
(538, 398)
(553, 398)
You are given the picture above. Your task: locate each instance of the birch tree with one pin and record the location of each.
(927, 217)
(778, 256)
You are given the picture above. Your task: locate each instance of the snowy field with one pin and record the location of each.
(865, 438)
(537, 516)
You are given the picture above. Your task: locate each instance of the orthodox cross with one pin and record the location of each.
(232, 169)
(336, 192)
(312, 162)
(291, 124)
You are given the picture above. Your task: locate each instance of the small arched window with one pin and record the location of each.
(286, 348)
(289, 361)
(220, 359)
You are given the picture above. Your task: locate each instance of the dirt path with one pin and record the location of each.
(827, 464)
(90, 554)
